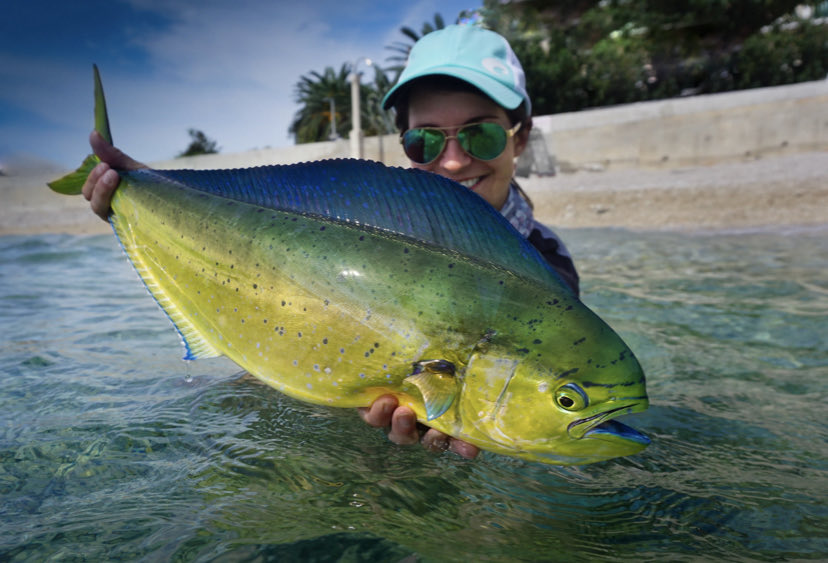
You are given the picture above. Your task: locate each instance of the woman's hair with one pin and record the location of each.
(444, 83)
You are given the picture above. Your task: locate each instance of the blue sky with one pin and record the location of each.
(226, 67)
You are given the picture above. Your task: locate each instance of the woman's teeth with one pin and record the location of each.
(469, 183)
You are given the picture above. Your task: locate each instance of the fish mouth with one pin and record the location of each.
(602, 426)
(613, 430)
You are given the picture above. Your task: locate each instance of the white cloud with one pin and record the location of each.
(226, 68)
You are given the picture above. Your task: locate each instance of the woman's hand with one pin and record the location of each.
(101, 183)
(385, 411)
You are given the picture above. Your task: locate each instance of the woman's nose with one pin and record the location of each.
(454, 158)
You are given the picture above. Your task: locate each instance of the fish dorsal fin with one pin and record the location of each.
(414, 203)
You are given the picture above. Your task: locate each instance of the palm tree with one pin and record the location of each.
(313, 91)
(403, 48)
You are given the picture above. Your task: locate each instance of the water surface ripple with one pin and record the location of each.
(113, 448)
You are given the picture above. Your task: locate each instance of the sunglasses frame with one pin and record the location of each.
(509, 134)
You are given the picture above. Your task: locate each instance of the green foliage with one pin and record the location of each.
(199, 144)
(586, 53)
(312, 123)
(782, 56)
(402, 48)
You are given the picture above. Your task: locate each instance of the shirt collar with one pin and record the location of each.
(517, 211)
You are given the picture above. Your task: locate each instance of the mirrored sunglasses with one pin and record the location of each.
(483, 141)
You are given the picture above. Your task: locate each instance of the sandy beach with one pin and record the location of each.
(774, 191)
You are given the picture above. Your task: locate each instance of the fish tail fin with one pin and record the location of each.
(72, 183)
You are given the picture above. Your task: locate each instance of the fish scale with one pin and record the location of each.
(336, 282)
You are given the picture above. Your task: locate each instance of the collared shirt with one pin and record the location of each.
(518, 212)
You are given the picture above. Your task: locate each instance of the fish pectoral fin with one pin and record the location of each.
(437, 384)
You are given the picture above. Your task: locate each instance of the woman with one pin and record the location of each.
(463, 112)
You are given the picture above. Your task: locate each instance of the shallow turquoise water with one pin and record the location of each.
(113, 448)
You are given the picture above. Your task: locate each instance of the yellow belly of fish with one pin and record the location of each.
(311, 307)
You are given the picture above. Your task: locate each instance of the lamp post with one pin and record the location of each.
(334, 135)
(356, 124)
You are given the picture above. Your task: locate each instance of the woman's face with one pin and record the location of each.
(489, 178)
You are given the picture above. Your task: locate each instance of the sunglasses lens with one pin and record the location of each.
(423, 145)
(484, 141)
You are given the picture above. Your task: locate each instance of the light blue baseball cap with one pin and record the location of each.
(470, 53)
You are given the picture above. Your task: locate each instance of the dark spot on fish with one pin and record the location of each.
(322, 228)
(567, 373)
(579, 341)
(264, 321)
(523, 350)
(537, 341)
(324, 341)
(451, 266)
(362, 238)
(553, 302)
(255, 286)
(405, 251)
(283, 303)
(260, 210)
(300, 334)
(568, 308)
(376, 344)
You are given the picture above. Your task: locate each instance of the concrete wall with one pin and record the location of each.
(669, 133)
(695, 130)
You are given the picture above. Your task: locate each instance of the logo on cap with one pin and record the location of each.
(496, 67)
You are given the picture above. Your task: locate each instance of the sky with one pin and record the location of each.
(228, 68)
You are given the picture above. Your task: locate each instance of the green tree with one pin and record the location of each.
(199, 144)
(402, 48)
(587, 53)
(312, 123)
(313, 92)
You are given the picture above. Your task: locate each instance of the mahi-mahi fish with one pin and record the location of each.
(339, 281)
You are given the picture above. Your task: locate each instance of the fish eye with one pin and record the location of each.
(571, 397)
